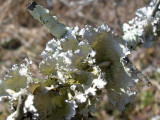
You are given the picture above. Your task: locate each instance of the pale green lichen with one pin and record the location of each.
(144, 27)
(42, 15)
(119, 72)
(76, 66)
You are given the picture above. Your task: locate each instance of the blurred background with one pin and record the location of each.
(21, 36)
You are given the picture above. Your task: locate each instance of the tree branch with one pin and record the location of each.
(58, 29)
(21, 101)
(156, 8)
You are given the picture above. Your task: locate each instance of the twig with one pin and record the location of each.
(117, 20)
(81, 2)
(58, 29)
(21, 101)
(155, 83)
(156, 8)
(5, 5)
(80, 14)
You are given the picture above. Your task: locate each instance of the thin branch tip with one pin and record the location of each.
(32, 6)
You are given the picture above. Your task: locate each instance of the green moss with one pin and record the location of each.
(146, 99)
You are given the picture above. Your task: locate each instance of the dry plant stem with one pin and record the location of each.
(81, 2)
(155, 83)
(5, 5)
(117, 21)
(21, 101)
(83, 16)
(156, 8)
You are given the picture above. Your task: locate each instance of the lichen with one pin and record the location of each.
(144, 27)
(76, 66)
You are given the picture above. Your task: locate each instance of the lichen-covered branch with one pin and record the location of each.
(20, 113)
(144, 27)
(76, 67)
(58, 29)
(156, 8)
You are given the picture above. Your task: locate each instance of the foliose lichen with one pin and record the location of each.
(144, 27)
(76, 66)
